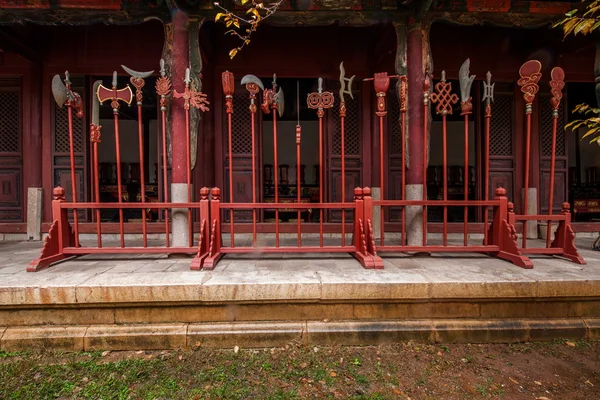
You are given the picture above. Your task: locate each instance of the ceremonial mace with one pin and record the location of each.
(137, 80)
(444, 98)
(342, 114)
(253, 86)
(274, 100)
(95, 134)
(381, 83)
(466, 81)
(197, 100)
(63, 95)
(163, 89)
(115, 96)
(488, 97)
(320, 101)
(530, 73)
(557, 83)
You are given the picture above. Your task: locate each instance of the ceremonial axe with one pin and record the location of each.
(114, 95)
(64, 95)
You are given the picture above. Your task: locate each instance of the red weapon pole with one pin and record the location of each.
(426, 88)
(556, 85)
(163, 89)
(95, 134)
(298, 160)
(530, 76)
(115, 95)
(382, 83)
(320, 101)
(403, 109)
(466, 109)
(444, 98)
(227, 81)
(73, 101)
(197, 100)
(253, 89)
(342, 112)
(137, 80)
(488, 97)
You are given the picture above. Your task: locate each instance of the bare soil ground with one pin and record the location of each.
(555, 370)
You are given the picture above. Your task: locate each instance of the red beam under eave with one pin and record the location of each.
(538, 7)
(80, 4)
(488, 5)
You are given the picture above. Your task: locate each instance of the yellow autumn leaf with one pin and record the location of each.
(236, 23)
(245, 1)
(219, 16)
(232, 53)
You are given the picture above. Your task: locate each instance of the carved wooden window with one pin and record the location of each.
(351, 128)
(240, 122)
(501, 143)
(11, 196)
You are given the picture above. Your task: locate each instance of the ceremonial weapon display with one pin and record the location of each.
(466, 106)
(95, 128)
(63, 95)
(530, 73)
(557, 83)
(342, 111)
(426, 115)
(197, 100)
(320, 101)
(137, 80)
(253, 86)
(298, 159)
(115, 96)
(381, 83)
(444, 98)
(227, 80)
(274, 100)
(163, 89)
(488, 98)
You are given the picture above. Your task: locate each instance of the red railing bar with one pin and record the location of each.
(321, 178)
(188, 161)
(403, 94)
(73, 182)
(441, 249)
(556, 217)
(229, 99)
(97, 193)
(486, 174)
(381, 180)
(116, 206)
(253, 132)
(445, 176)
(163, 88)
(437, 203)
(291, 206)
(128, 250)
(290, 249)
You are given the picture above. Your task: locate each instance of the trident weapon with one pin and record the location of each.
(253, 86)
(444, 98)
(115, 96)
(320, 101)
(196, 100)
(382, 83)
(343, 90)
(63, 95)
(137, 80)
(273, 100)
(466, 81)
(95, 128)
(163, 89)
(488, 98)
(530, 76)
(557, 83)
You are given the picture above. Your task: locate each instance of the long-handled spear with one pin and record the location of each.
(342, 112)
(163, 89)
(488, 97)
(466, 109)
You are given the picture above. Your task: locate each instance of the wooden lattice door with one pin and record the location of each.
(352, 150)
(241, 153)
(394, 150)
(61, 168)
(561, 166)
(502, 146)
(11, 160)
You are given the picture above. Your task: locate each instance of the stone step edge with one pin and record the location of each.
(276, 334)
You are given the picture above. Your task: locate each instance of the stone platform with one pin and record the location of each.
(155, 302)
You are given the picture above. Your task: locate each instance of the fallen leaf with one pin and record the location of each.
(589, 383)
(538, 383)
(303, 365)
(315, 350)
(105, 353)
(439, 353)
(139, 352)
(570, 344)
(332, 374)
(542, 398)
(513, 380)
(236, 349)
(180, 358)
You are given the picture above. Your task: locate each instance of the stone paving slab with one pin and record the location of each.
(117, 279)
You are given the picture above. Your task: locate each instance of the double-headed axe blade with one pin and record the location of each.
(136, 74)
(253, 79)
(59, 90)
(105, 94)
(280, 102)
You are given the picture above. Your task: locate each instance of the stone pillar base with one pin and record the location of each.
(179, 216)
(376, 194)
(414, 216)
(34, 213)
(532, 226)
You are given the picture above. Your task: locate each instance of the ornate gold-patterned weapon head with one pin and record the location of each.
(163, 86)
(530, 73)
(382, 84)
(114, 95)
(273, 99)
(191, 97)
(320, 100)
(557, 83)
